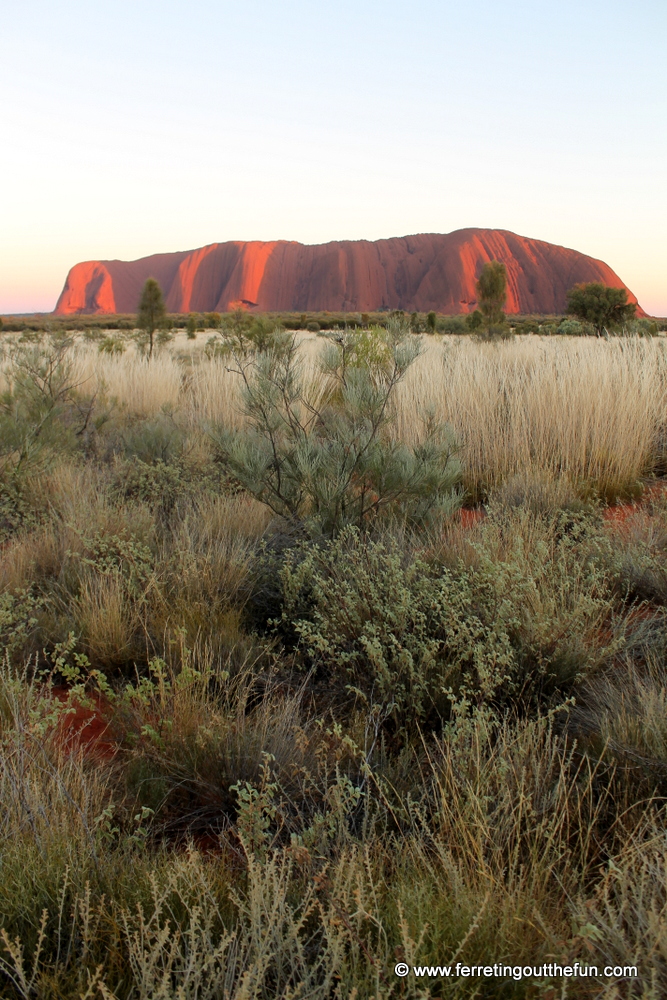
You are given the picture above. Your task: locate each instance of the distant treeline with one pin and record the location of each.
(311, 321)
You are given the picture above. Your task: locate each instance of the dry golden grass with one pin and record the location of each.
(587, 409)
(590, 410)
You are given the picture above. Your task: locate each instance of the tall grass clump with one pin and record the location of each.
(589, 410)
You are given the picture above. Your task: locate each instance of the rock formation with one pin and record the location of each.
(424, 272)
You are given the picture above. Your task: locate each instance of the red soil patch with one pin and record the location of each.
(86, 727)
(619, 514)
(470, 516)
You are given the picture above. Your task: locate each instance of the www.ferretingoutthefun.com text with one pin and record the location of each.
(549, 970)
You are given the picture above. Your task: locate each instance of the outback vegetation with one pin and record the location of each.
(601, 306)
(326, 653)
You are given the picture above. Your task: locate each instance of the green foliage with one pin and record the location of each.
(431, 322)
(322, 456)
(18, 619)
(163, 486)
(452, 324)
(191, 326)
(605, 308)
(571, 328)
(164, 337)
(642, 327)
(492, 291)
(520, 618)
(151, 312)
(474, 320)
(367, 349)
(244, 334)
(416, 324)
(158, 440)
(41, 412)
(402, 638)
(493, 333)
(18, 509)
(128, 557)
(112, 345)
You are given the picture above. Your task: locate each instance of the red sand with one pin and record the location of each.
(87, 728)
(470, 517)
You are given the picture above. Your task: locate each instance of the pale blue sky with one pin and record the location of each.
(131, 128)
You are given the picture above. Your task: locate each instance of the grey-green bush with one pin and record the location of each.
(326, 459)
(525, 615)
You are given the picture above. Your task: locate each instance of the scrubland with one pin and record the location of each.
(252, 748)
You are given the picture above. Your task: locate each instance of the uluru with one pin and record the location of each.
(429, 271)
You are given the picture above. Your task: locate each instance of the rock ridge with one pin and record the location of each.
(427, 271)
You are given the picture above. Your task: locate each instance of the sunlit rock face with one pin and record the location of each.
(420, 273)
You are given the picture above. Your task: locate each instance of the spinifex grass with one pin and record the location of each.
(590, 410)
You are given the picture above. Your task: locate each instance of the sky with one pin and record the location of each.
(134, 127)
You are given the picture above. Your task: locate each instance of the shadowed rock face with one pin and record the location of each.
(424, 272)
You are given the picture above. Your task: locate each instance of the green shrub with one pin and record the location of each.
(402, 637)
(313, 326)
(452, 324)
(416, 324)
(526, 614)
(604, 307)
(151, 312)
(322, 456)
(212, 320)
(42, 412)
(160, 485)
(571, 328)
(245, 334)
(474, 320)
(491, 290)
(165, 336)
(94, 336)
(112, 345)
(642, 327)
(18, 619)
(494, 333)
(22, 507)
(157, 440)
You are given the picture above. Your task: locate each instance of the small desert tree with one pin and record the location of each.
(151, 311)
(604, 307)
(319, 452)
(492, 292)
